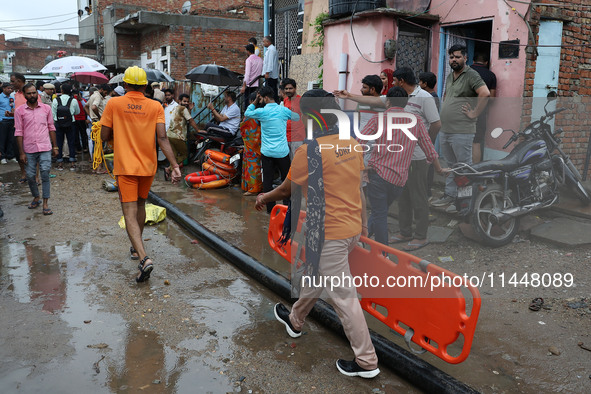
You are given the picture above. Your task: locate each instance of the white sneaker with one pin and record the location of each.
(13, 161)
(445, 200)
(3, 161)
(451, 209)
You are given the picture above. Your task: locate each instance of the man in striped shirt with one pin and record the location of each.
(390, 160)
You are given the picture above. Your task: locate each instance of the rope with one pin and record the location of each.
(216, 167)
(98, 155)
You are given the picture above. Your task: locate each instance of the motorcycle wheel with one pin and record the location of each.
(487, 204)
(577, 187)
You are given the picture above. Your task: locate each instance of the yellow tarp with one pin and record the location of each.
(154, 214)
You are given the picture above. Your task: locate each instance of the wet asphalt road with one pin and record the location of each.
(74, 320)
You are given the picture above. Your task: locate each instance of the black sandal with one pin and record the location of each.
(145, 271)
(133, 254)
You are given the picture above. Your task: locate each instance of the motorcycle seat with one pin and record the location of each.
(509, 163)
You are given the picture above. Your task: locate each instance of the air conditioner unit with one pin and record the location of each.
(313, 85)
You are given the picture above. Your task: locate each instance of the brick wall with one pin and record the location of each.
(129, 46)
(192, 46)
(575, 72)
(189, 46)
(30, 54)
(252, 10)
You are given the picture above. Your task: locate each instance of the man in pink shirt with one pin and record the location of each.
(18, 81)
(252, 71)
(35, 135)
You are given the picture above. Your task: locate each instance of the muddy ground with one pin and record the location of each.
(74, 320)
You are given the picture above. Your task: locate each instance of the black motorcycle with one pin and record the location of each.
(212, 140)
(494, 194)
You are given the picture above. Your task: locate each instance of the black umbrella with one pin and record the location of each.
(157, 76)
(213, 74)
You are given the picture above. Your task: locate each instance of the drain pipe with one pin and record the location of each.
(343, 76)
(421, 374)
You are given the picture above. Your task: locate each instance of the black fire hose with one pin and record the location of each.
(418, 372)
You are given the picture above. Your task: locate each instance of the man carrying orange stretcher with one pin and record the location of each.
(330, 180)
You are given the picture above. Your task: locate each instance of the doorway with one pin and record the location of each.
(476, 37)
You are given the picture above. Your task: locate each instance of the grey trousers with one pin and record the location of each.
(334, 260)
(413, 201)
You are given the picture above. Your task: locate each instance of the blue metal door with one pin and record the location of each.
(548, 61)
(547, 67)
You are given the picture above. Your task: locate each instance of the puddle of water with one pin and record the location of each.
(252, 237)
(121, 358)
(227, 313)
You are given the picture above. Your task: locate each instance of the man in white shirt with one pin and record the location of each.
(271, 66)
(169, 106)
(227, 121)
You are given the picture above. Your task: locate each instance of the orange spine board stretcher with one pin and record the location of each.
(437, 316)
(218, 156)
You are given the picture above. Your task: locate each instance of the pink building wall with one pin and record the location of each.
(373, 31)
(370, 34)
(507, 24)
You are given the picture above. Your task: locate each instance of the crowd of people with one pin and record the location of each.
(36, 121)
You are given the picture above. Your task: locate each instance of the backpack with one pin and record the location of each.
(63, 114)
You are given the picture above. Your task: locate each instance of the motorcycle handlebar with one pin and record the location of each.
(510, 141)
(557, 111)
(549, 115)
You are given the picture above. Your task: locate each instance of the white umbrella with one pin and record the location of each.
(117, 79)
(72, 64)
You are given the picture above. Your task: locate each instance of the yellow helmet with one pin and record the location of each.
(135, 76)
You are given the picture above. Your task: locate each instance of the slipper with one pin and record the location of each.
(414, 246)
(47, 211)
(22, 180)
(399, 238)
(145, 270)
(166, 174)
(536, 304)
(34, 204)
(133, 254)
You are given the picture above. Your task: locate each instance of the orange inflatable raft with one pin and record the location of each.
(206, 180)
(218, 156)
(215, 169)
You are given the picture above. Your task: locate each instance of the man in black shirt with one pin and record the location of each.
(490, 79)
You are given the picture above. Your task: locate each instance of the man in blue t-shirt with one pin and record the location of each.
(274, 146)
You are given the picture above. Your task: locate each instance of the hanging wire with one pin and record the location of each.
(34, 19)
(46, 24)
(355, 41)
